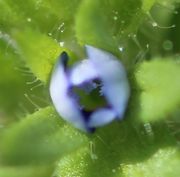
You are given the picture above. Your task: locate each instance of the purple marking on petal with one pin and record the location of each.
(64, 59)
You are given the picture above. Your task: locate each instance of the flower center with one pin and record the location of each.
(90, 95)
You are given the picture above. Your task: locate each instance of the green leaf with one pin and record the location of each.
(154, 166)
(105, 23)
(40, 138)
(159, 83)
(164, 163)
(26, 171)
(120, 145)
(12, 83)
(147, 4)
(47, 16)
(17, 84)
(39, 52)
(37, 28)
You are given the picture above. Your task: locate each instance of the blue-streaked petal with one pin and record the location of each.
(101, 117)
(114, 86)
(83, 72)
(113, 75)
(64, 102)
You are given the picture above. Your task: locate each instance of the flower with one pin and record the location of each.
(101, 70)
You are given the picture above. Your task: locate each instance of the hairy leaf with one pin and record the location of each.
(105, 24)
(117, 146)
(40, 138)
(26, 171)
(160, 84)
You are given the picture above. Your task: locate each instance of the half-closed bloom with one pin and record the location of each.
(101, 72)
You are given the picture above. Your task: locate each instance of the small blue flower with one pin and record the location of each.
(101, 70)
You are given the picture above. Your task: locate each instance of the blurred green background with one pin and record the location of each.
(143, 34)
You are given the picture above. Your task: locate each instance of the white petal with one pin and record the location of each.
(63, 102)
(113, 75)
(101, 117)
(117, 95)
(83, 72)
